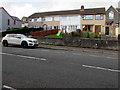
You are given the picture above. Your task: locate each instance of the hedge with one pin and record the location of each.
(20, 31)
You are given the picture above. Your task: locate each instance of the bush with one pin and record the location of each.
(87, 35)
(75, 33)
(21, 31)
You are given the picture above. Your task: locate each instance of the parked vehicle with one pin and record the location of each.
(19, 39)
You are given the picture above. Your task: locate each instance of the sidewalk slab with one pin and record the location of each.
(67, 48)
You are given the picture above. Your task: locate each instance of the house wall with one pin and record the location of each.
(52, 23)
(34, 24)
(70, 22)
(94, 22)
(18, 24)
(43, 22)
(5, 18)
(115, 19)
(116, 30)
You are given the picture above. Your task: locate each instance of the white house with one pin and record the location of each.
(7, 21)
(70, 23)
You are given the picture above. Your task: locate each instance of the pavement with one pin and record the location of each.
(68, 48)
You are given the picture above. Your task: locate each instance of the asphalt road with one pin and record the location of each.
(47, 68)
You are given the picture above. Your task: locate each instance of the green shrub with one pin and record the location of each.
(21, 31)
(87, 35)
(95, 36)
(75, 33)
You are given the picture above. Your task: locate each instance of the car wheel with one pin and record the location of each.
(5, 43)
(24, 44)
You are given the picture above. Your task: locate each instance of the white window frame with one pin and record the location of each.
(48, 18)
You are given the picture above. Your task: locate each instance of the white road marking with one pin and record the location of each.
(8, 87)
(111, 58)
(29, 57)
(43, 59)
(101, 68)
(95, 56)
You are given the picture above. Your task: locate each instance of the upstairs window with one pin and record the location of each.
(14, 22)
(39, 19)
(48, 18)
(56, 18)
(111, 15)
(32, 20)
(64, 18)
(88, 17)
(99, 17)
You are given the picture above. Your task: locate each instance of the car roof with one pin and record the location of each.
(14, 34)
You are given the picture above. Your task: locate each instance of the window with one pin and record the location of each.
(56, 18)
(49, 27)
(88, 28)
(88, 17)
(8, 21)
(32, 20)
(111, 15)
(72, 27)
(39, 19)
(48, 18)
(11, 35)
(99, 17)
(14, 22)
(56, 27)
(64, 18)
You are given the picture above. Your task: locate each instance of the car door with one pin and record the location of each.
(10, 39)
(17, 40)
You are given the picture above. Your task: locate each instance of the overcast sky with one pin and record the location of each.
(22, 8)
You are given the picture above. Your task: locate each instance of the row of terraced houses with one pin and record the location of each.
(96, 20)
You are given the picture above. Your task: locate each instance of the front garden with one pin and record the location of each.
(39, 32)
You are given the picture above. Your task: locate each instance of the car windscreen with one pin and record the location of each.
(23, 36)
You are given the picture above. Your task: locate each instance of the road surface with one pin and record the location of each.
(47, 68)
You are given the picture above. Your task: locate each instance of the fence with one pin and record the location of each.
(45, 32)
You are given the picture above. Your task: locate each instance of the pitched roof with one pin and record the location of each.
(118, 9)
(67, 12)
(16, 18)
(13, 17)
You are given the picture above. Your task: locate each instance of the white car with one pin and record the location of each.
(19, 39)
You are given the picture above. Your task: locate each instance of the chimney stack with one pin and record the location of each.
(82, 7)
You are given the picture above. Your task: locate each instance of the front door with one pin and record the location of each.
(97, 29)
(107, 31)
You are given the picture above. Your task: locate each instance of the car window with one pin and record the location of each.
(23, 36)
(10, 36)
